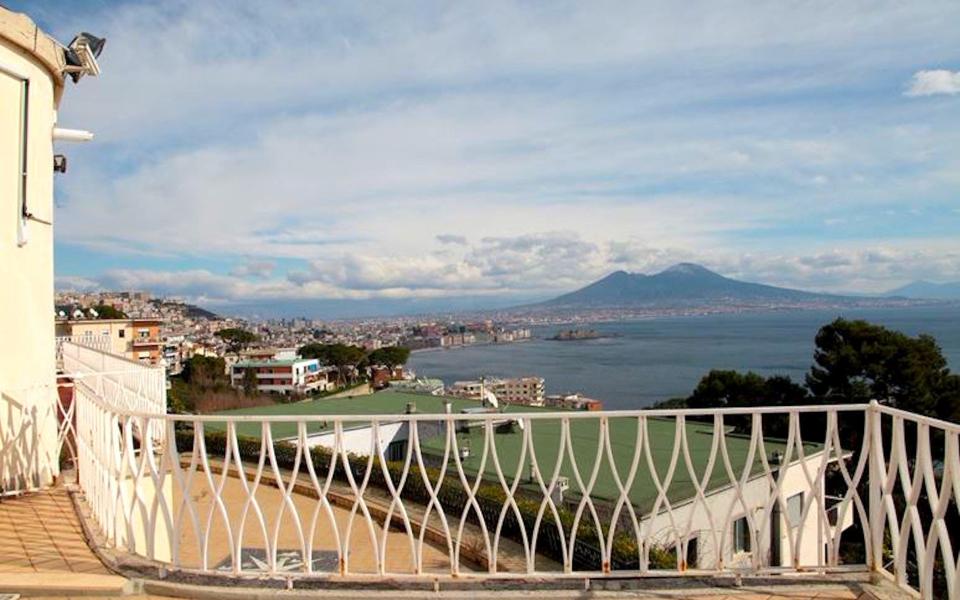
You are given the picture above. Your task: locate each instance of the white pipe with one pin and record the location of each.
(71, 135)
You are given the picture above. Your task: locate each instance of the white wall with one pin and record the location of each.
(28, 427)
(691, 519)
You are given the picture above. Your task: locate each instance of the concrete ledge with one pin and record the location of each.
(648, 589)
(59, 583)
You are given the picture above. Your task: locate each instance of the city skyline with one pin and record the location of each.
(508, 152)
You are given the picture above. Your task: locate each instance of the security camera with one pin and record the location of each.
(81, 56)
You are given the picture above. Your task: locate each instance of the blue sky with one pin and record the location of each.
(249, 152)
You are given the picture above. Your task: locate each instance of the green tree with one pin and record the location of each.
(389, 356)
(857, 361)
(237, 339)
(105, 311)
(205, 372)
(342, 356)
(250, 383)
(315, 350)
(732, 389)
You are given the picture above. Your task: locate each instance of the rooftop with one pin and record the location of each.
(387, 402)
(283, 362)
(546, 439)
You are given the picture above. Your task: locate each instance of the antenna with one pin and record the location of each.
(490, 398)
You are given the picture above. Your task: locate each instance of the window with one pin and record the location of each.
(693, 552)
(14, 85)
(396, 451)
(795, 509)
(741, 535)
(122, 333)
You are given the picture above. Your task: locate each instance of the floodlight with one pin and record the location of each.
(81, 56)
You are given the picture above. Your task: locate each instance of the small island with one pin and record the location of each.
(577, 334)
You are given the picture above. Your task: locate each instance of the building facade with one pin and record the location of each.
(137, 339)
(290, 376)
(528, 391)
(572, 402)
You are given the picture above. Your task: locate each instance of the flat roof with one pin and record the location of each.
(387, 402)
(283, 362)
(546, 436)
(584, 433)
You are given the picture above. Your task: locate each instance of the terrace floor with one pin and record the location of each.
(43, 553)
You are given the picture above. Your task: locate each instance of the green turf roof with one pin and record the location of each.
(546, 442)
(387, 402)
(623, 435)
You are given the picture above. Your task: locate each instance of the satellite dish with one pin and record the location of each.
(491, 398)
(78, 314)
(94, 313)
(61, 314)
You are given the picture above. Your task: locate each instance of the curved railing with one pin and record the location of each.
(776, 490)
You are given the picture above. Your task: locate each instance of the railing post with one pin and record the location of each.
(875, 448)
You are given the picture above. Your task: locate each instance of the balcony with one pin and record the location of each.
(442, 498)
(146, 341)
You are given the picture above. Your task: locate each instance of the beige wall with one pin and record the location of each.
(27, 404)
(118, 331)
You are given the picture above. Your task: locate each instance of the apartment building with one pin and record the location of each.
(137, 339)
(528, 391)
(381, 375)
(572, 402)
(283, 376)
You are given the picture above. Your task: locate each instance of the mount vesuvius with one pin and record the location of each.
(683, 285)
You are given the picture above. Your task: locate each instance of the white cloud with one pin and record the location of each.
(448, 238)
(491, 149)
(934, 82)
(254, 268)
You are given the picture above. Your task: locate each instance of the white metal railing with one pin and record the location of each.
(774, 490)
(97, 342)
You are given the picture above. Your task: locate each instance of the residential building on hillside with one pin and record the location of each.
(286, 376)
(421, 385)
(269, 354)
(381, 376)
(528, 391)
(138, 339)
(572, 402)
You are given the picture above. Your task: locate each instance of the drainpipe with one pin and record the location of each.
(775, 517)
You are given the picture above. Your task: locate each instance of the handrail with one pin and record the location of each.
(647, 490)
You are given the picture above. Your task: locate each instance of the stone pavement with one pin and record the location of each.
(42, 549)
(40, 533)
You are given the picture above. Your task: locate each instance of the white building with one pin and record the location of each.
(287, 376)
(528, 391)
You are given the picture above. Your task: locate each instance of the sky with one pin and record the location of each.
(358, 154)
